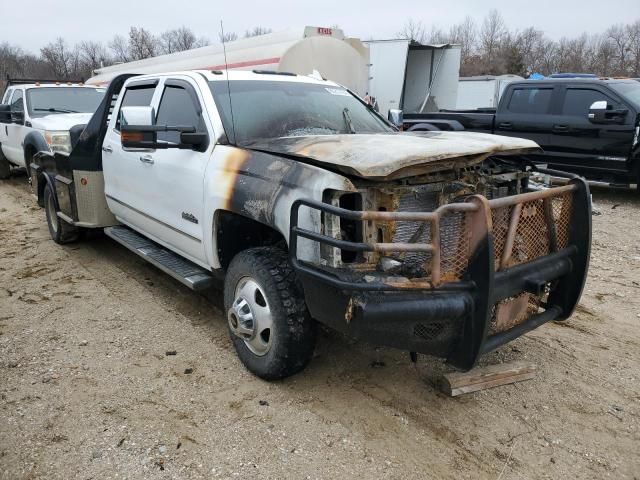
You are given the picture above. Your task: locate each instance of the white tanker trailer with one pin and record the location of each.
(326, 50)
(401, 74)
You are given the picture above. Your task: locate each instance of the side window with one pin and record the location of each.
(578, 100)
(136, 97)
(530, 100)
(17, 102)
(178, 108)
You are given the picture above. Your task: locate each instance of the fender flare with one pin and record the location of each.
(36, 140)
(45, 179)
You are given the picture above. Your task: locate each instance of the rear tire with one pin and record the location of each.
(61, 232)
(5, 166)
(268, 320)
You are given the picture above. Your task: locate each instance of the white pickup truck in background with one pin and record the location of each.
(36, 116)
(314, 208)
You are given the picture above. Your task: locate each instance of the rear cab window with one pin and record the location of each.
(530, 100)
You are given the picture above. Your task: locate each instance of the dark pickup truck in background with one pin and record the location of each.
(586, 126)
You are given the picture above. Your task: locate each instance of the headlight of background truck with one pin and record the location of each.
(58, 140)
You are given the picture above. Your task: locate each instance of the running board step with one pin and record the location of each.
(186, 272)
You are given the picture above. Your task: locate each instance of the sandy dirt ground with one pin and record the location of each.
(88, 391)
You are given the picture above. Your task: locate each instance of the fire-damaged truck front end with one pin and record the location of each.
(450, 256)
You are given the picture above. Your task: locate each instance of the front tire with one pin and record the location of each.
(268, 321)
(61, 232)
(5, 166)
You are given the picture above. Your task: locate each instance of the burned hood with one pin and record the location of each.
(396, 155)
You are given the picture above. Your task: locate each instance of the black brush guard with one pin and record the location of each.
(450, 320)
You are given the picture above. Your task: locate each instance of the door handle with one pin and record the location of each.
(146, 159)
(107, 149)
(560, 128)
(505, 126)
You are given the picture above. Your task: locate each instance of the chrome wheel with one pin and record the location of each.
(250, 317)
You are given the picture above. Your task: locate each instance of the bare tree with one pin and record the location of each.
(620, 38)
(227, 37)
(93, 55)
(63, 60)
(548, 54)
(178, 40)
(413, 30)
(257, 31)
(142, 44)
(530, 43)
(11, 64)
(633, 31)
(120, 49)
(492, 32)
(436, 36)
(465, 34)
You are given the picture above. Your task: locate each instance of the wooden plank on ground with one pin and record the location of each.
(457, 383)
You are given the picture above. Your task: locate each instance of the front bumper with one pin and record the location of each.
(518, 263)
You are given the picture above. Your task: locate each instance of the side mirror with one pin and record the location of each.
(137, 130)
(396, 117)
(146, 137)
(5, 113)
(136, 116)
(602, 112)
(197, 141)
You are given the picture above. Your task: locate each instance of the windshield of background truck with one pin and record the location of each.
(264, 110)
(43, 101)
(628, 90)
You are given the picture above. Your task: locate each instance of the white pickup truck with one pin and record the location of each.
(37, 116)
(313, 208)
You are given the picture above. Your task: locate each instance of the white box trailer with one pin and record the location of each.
(303, 50)
(416, 78)
(482, 91)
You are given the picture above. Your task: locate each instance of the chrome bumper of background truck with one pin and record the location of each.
(516, 263)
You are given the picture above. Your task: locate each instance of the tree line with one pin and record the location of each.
(487, 48)
(491, 48)
(60, 61)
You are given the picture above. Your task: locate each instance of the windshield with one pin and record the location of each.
(264, 109)
(629, 90)
(49, 100)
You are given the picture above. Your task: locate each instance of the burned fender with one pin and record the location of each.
(263, 187)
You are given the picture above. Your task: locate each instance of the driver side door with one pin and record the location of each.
(15, 131)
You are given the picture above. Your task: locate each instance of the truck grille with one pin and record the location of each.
(532, 239)
(454, 238)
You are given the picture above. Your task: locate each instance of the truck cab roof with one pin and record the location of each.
(573, 81)
(224, 75)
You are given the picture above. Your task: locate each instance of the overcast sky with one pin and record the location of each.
(31, 24)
